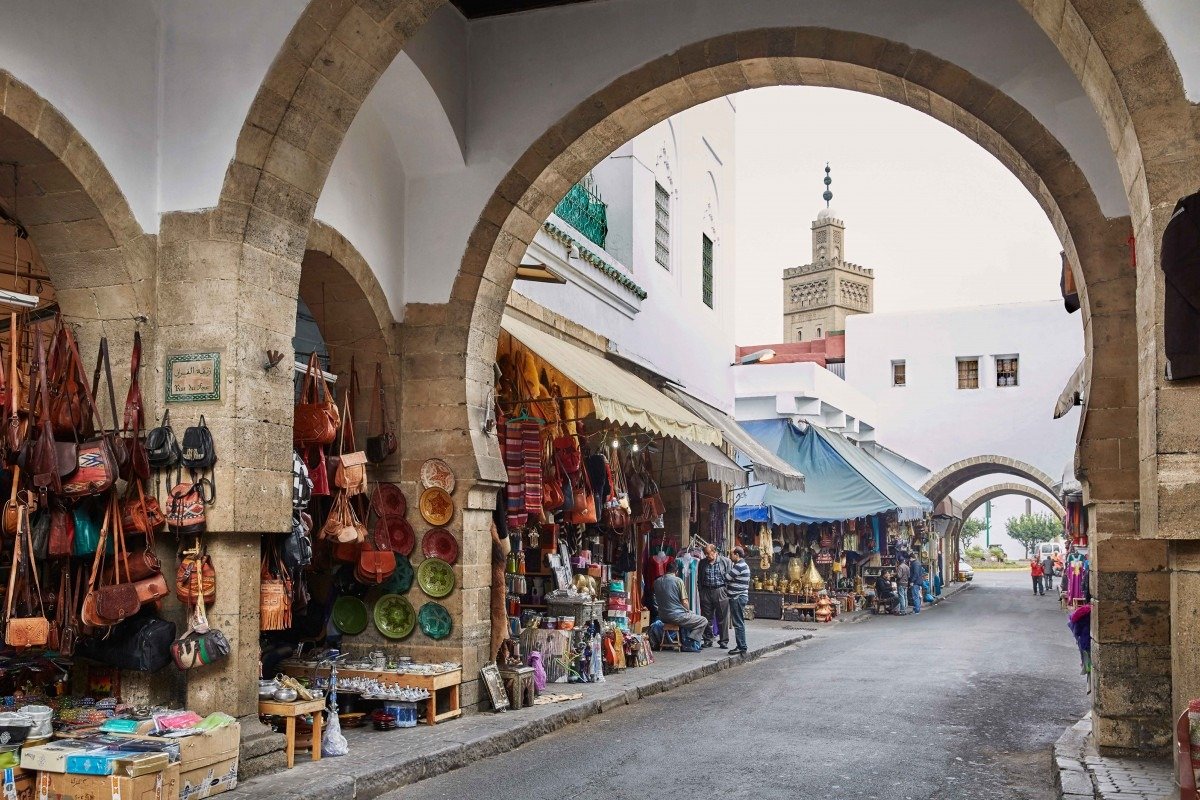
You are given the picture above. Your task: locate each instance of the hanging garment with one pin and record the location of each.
(718, 513)
(512, 445)
(1075, 574)
(531, 441)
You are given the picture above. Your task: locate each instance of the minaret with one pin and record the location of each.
(818, 296)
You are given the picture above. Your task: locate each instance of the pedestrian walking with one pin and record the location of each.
(737, 586)
(902, 587)
(714, 602)
(916, 577)
(1035, 569)
(1048, 574)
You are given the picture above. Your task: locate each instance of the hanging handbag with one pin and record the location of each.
(342, 524)
(583, 511)
(201, 644)
(198, 453)
(108, 605)
(274, 595)
(70, 413)
(42, 458)
(384, 443)
(185, 507)
(139, 644)
(136, 462)
(96, 465)
(195, 575)
(552, 490)
(65, 619)
(31, 631)
(87, 531)
(316, 419)
(302, 485)
(375, 563)
(12, 506)
(162, 448)
(297, 552)
(40, 535)
(139, 513)
(348, 471)
(14, 430)
(318, 470)
(120, 451)
(62, 531)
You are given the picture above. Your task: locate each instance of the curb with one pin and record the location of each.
(1071, 776)
(385, 776)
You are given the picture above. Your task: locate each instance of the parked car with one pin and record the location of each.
(966, 570)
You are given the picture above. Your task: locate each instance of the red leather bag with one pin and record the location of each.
(139, 513)
(62, 531)
(375, 562)
(136, 461)
(316, 419)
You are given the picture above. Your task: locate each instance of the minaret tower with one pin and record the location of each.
(818, 296)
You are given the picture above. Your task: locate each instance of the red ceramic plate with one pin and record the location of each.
(440, 543)
(396, 534)
(389, 501)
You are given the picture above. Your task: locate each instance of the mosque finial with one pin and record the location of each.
(828, 195)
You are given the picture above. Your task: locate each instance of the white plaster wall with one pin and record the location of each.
(97, 64)
(804, 391)
(937, 424)
(1179, 23)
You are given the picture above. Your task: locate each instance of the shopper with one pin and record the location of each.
(916, 577)
(714, 602)
(902, 588)
(1048, 574)
(737, 586)
(671, 598)
(1035, 569)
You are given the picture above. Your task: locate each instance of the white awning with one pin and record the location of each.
(768, 467)
(721, 468)
(1073, 393)
(617, 395)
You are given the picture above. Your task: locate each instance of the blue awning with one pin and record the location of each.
(841, 481)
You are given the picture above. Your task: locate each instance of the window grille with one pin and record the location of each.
(968, 373)
(662, 226)
(706, 255)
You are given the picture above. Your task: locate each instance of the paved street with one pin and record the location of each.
(963, 701)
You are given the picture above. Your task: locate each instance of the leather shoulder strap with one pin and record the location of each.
(102, 360)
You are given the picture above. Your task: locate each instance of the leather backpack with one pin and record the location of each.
(198, 453)
(185, 507)
(162, 449)
(194, 576)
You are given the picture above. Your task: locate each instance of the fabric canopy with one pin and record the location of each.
(721, 468)
(617, 395)
(836, 487)
(768, 467)
(1073, 393)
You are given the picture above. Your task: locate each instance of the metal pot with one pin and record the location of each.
(267, 689)
(285, 694)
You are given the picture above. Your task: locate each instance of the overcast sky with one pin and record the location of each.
(939, 219)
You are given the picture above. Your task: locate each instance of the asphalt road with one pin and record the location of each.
(961, 701)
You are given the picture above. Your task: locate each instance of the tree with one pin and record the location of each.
(1030, 529)
(971, 528)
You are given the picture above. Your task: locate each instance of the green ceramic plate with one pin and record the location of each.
(394, 616)
(402, 579)
(350, 615)
(435, 621)
(435, 577)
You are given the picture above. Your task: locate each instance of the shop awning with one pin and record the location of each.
(721, 468)
(910, 504)
(1073, 393)
(836, 487)
(768, 467)
(617, 395)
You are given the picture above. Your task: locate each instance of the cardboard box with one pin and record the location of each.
(155, 786)
(22, 783)
(203, 749)
(209, 780)
(52, 757)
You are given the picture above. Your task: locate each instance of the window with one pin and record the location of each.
(706, 276)
(800, 334)
(818, 331)
(898, 375)
(968, 373)
(662, 226)
(1006, 370)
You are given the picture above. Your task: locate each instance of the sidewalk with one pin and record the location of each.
(1082, 773)
(383, 762)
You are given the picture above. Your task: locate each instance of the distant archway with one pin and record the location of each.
(940, 485)
(973, 502)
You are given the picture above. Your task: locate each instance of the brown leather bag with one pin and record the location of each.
(70, 414)
(62, 531)
(382, 444)
(43, 456)
(16, 413)
(274, 594)
(348, 471)
(107, 605)
(136, 463)
(187, 585)
(139, 513)
(316, 418)
(342, 524)
(375, 563)
(31, 631)
(65, 619)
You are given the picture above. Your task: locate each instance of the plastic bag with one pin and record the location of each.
(333, 743)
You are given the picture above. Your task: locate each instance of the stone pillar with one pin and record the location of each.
(1184, 561)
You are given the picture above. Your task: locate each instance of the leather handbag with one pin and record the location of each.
(583, 511)
(66, 620)
(274, 594)
(12, 506)
(185, 507)
(97, 463)
(297, 547)
(136, 463)
(120, 451)
(194, 576)
(382, 444)
(348, 471)
(162, 448)
(342, 524)
(62, 531)
(201, 644)
(376, 562)
(41, 457)
(69, 411)
(87, 531)
(32, 631)
(316, 419)
(16, 424)
(139, 513)
(108, 605)
(140, 644)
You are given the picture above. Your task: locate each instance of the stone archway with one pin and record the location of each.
(972, 503)
(939, 485)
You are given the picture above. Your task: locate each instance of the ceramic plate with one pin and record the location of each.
(396, 533)
(437, 473)
(394, 616)
(402, 579)
(389, 501)
(435, 621)
(435, 577)
(439, 543)
(350, 615)
(437, 507)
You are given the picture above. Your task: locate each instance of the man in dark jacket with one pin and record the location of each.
(916, 576)
(714, 602)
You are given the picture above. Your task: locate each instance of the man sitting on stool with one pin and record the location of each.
(885, 596)
(671, 599)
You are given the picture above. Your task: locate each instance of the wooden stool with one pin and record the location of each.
(666, 643)
(518, 682)
(289, 711)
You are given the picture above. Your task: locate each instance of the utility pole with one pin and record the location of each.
(987, 525)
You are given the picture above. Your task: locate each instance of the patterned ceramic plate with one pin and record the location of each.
(437, 473)
(435, 621)
(435, 577)
(437, 507)
(402, 579)
(389, 501)
(350, 615)
(396, 533)
(439, 543)
(394, 616)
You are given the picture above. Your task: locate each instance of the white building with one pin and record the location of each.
(804, 392)
(660, 288)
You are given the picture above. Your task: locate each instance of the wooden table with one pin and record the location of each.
(289, 711)
(443, 687)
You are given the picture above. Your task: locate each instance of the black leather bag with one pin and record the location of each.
(198, 450)
(297, 547)
(161, 447)
(141, 643)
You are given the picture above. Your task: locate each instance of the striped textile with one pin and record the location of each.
(737, 582)
(531, 440)
(514, 462)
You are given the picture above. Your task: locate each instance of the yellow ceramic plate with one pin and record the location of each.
(437, 507)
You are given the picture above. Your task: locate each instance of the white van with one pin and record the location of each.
(1044, 549)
